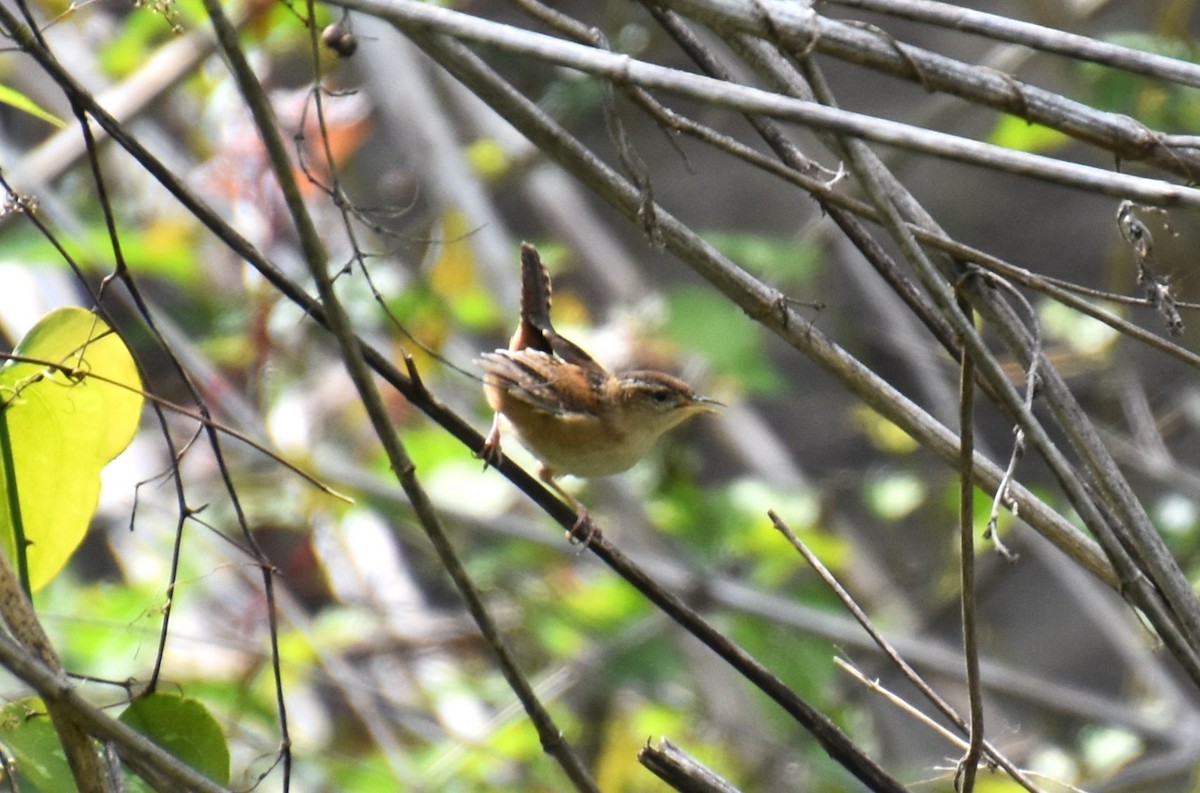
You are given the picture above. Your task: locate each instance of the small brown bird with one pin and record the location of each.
(573, 414)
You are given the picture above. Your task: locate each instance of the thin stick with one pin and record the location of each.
(964, 778)
(890, 652)
(900, 703)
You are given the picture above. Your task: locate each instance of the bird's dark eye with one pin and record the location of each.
(662, 397)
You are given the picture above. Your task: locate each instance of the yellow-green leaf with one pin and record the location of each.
(454, 275)
(59, 426)
(18, 100)
(1016, 133)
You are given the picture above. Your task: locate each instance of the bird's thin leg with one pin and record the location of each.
(490, 453)
(582, 517)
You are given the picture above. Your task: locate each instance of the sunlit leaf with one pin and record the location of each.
(1016, 133)
(164, 248)
(1177, 515)
(126, 50)
(1084, 335)
(454, 275)
(488, 158)
(617, 767)
(58, 428)
(18, 100)
(893, 496)
(997, 783)
(883, 433)
(1107, 749)
(604, 600)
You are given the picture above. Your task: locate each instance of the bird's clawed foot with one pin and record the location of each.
(582, 530)
(490, 453)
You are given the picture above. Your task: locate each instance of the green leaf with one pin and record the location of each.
(895, 495)
(163, 248)
(454, 275)
(134, 40)
(18, 100)
(1159, 105)
(488, 158)
(185, 728)
(29, 738)
(58, 429)
(780, 260)
(1016, 133)
(734, 345)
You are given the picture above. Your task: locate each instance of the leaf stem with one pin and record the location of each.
(14, 502)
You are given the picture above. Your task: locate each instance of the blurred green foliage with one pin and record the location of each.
(1164, 107)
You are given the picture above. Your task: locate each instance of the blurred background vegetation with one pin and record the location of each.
(387, 682)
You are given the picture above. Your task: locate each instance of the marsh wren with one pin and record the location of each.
(573, 414)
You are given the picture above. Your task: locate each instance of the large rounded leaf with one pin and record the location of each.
(30, 740)
(185, 728)
(59, 426)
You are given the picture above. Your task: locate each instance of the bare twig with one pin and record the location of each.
(1038, 37)
(800, 29)
(681, 771)
(964, 778)
(893, 655)
(553, 740)
(742, 98)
